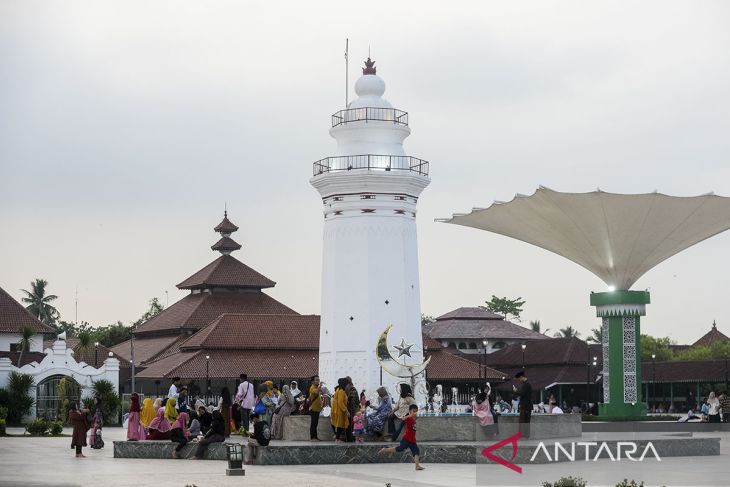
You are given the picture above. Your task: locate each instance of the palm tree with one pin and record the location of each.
(39, 302)
(535, 325)
(567, 332)
(26, 341)
(597, 336)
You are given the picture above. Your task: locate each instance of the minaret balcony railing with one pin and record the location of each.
(398, 117)
(371, 162)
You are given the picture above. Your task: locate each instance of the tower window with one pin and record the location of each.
(368, 211)
(367, 196)
(400, 198)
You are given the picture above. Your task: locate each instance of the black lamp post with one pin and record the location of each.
(207, 378)
(485, 343)
(653, 379)
(594, 363)
(524, 346)
(726, 391)
(96, 354)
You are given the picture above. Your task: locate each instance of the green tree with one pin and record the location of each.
(155, 308)
(20, 401)
(596, 336)
(535, 326)
(661, 347)
(26, 341)
(567, 332)
(110, 402)
(505, 306)
(426, 319)
(39, 303)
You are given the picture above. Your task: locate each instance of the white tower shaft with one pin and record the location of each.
(370, 254)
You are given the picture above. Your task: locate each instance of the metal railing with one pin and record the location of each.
(371, 162)
(398, 117)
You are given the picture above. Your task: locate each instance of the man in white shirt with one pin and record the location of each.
(173, 392)
(245, 398)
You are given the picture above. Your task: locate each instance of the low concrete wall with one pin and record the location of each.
(454, 428)
(278, 453)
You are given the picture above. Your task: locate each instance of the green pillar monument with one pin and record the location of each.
(621, 312)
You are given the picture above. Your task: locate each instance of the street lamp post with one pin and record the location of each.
(207, 378)
(524, 346)
(594, 363)
(653, 379)
(484, 342)
(726, 391)
(96, 355)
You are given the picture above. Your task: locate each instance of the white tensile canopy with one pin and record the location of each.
(618, 237)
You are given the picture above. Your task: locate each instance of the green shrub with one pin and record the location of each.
(633, 483)
(20, 401)
(56, 428)
(38, 427)
(566, 482)
(4, 397)
(2, 427)
(110, 402)
(3, 412)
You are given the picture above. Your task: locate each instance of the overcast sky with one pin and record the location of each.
(126, 126)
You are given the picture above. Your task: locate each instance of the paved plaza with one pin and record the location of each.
(50, 462)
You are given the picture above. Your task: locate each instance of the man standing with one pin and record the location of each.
(173, 392)
(314, 399)
(524, 392)
(245, 399)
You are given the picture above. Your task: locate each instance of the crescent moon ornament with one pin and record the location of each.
(390, 364)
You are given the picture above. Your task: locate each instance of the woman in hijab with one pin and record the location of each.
(77, 417)
(340, 416)
(214, 435)
(170, 411)
(194, 424)
(159, 427)
(713, 411)
(265, 397)
(180, 434)
(157, 404)
(400, 411)
(376, 420)
(482, 408)
(96, 424)
(135, 431)
(225, 409)
(148, 412)
(285, 407)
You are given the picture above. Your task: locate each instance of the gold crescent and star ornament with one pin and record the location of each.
(390, 364)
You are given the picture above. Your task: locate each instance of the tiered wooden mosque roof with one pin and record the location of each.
(225, 310)
(711, 337)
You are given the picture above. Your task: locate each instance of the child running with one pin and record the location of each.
(409, 438)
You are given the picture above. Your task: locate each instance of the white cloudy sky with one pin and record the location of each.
(125, 126)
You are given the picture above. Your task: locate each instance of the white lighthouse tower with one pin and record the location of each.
(370, 255)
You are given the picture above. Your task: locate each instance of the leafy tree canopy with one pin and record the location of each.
(505, 306)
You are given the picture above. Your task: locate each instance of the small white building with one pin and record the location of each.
(47, 366)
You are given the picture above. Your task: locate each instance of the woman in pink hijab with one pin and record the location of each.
(135, 431)
(159, 427)
(180, 433)
(483, 411)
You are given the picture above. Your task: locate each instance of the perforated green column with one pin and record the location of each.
(621, 312)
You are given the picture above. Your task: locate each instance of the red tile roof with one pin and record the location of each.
(712, 336)
(227, 364)
(543, 376)
(226, 244)
(225, 226)
(258, 331)
(28, 357)
(198, 310)
(91, 355)
(227, 272)
(685, 371)
(476, 324)
(147, 348)
(14, 316)
(555, 351)
(445, 365)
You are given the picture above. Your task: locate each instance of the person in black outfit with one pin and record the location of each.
(216, 434)
(205, 419)
(524, 392)
(260, 437)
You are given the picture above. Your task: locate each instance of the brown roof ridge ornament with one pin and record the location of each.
(369, 67)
